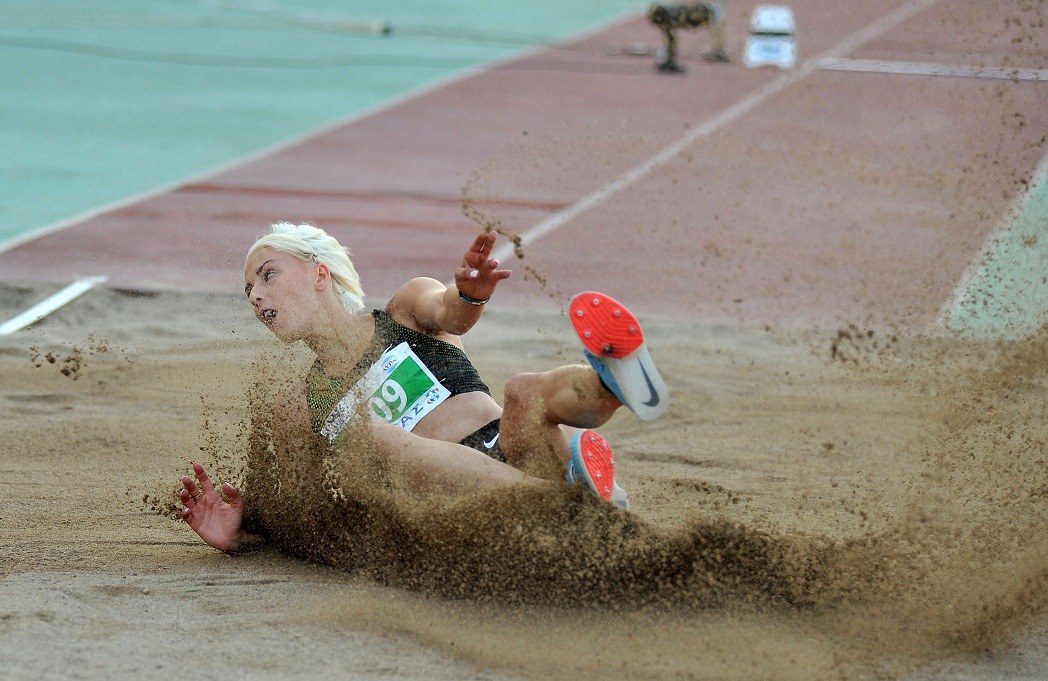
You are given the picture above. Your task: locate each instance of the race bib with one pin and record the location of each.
(397, 389)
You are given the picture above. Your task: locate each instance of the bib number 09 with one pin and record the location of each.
(389, 394)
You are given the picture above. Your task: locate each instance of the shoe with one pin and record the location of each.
(614, 346)
(593, 463)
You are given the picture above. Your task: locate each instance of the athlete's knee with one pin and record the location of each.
(523, 391)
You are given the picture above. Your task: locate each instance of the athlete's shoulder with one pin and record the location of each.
(411, 300)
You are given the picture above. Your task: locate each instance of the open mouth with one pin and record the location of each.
(268, 315)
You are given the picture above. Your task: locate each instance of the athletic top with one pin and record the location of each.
(454, 374)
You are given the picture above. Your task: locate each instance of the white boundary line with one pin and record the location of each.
(49, 305)
(366, 113)
(915, 68)
(981, 262)
(667, 154)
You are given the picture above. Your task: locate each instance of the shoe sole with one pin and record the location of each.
(594, 462)
(604, 325)
(611, 333)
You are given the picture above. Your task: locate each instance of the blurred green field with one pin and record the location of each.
(104, 101)
(1006, 294)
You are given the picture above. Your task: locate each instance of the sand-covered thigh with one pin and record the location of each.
(813, 506)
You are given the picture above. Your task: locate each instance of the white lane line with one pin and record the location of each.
(728, 115)
(33, 234)
(915, 68)
(49, 305)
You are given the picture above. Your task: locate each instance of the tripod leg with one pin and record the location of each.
(669, 64)
(717, 53)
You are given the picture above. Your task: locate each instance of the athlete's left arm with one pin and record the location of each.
(434, 308)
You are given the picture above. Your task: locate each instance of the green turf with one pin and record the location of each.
(102, 101)
(1007, 296)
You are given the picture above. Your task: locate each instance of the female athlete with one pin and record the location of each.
(404, 366)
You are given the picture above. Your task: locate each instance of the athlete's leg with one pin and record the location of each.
(414, 464)
(435, 466)
(538, 405)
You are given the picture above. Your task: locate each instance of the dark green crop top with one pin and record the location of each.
(448, 363)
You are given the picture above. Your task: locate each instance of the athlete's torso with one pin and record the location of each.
(452, 399)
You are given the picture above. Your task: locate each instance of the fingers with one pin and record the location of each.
(188, 504)
(481, 248)
(201, 476)
(485, 266)
(471, 271)
(191, 488)
(493, 273)
(466, 273)
(484, 242)
(480, 273)
(232, 494)
(482, 283)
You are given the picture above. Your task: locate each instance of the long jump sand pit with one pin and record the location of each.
(815, 505)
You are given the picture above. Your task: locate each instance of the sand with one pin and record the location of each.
(917, 463)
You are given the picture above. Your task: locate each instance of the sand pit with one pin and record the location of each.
(837, 503)
(916, 464)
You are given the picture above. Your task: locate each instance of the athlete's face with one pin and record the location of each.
(284, 291)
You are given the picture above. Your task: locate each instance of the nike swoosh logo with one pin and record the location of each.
(654, 399)
(489, 445)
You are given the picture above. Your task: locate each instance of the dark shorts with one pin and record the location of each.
(486, 441)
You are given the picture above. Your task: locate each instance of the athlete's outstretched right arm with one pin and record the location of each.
(427, 305)
(217, 521)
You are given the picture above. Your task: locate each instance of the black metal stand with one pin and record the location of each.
(687, 15)
(669, 64)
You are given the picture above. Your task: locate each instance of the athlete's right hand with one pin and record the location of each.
(216, 521)
(480, 274)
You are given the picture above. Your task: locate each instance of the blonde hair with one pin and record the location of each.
(313, 244)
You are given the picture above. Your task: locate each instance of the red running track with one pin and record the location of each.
(846, 197)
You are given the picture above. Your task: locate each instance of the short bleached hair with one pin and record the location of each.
(312, 244)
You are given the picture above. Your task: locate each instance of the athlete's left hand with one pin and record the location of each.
(480, 273)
